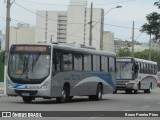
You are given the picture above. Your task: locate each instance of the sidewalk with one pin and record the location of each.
(1, 88)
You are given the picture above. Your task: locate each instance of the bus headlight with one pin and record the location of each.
(130, 85)
(45, 85)
(10, 84)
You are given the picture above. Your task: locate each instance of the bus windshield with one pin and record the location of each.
(29, 66)
(124, 70)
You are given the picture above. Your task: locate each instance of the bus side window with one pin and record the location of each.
(111, 64)
(77, 62)
(57, 55)
(67, 61)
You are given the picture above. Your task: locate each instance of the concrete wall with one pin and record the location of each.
(22, 34)
(108, 41)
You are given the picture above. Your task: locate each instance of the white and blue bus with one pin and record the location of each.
(59, 71)
(135, 74)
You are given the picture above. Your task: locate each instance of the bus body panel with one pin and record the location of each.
(81, 83)
(146, 81)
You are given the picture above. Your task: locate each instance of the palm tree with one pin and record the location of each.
(157, 4)
(152, 27)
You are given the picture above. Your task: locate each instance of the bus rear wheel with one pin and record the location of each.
(98, 95)
(115, 91)
(148, 90)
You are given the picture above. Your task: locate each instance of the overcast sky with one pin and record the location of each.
(132, 10)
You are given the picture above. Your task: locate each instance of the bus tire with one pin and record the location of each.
(148, 90)
(64, 95)
(135, 91)
(91, 97)
(27, 99)
(114, 92)
(128, 91)
(98, 95)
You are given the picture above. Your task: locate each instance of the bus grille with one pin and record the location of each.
(31, 93)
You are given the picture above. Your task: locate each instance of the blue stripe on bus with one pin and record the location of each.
(18, 85)
(106, 77)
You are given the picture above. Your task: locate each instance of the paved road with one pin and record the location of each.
(110, 102)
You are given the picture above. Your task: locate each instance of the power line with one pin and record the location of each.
(117, 2)
(120, 26)
(39, 14)
(51, 4)
(138, 36)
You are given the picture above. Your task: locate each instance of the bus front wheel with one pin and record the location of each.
(64, 96)
(27, 99)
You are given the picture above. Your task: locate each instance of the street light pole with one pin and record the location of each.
(99, 21)
(106, 14)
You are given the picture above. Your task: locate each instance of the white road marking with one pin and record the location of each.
(147, 106)
(92, 117)
(127, 110)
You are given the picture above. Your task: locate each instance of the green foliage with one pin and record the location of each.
(153, 25)
(157, 4)
(124, 52)
(1, 67)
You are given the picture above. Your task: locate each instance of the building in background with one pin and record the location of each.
(120, 44)
(23, 33)
(71, 26)
(155, 46)
(108, 41)
(2, 41)
(140, 48)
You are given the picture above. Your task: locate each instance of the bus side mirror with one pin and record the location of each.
(136, 68)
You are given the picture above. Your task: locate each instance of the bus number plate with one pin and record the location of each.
(25, 94)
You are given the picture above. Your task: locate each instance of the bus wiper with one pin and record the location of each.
(25, 64)
(35, 61)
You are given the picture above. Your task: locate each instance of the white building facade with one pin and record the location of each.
(71, 26)
(23, 33)
(140, 48)
(2, 41)
(108, 41)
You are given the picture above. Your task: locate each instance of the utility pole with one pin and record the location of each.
(7, 41)
(150, 46)
(90, 34)
(51, 38)
(7, 26)
(133, 40)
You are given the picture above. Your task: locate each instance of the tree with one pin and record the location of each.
(152, 27)
(157, 4)
(124, 52)
(142, 55)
